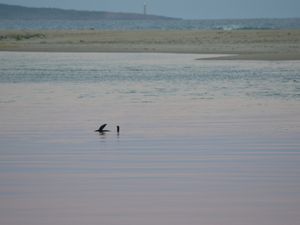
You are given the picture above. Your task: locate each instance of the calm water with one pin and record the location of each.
(221, 24)
(201, 142)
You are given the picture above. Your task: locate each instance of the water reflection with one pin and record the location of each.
(192, 151)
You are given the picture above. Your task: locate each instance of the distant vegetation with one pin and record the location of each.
(11, 12)
(20, 37)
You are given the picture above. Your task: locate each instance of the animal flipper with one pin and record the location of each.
(101, 128)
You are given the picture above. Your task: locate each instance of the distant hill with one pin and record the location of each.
(12, 12)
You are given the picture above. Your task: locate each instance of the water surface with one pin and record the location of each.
(213, 24)
(201, 142)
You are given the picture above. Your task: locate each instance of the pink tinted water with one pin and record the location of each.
(177, 160)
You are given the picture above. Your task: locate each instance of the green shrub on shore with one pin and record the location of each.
(20, 37)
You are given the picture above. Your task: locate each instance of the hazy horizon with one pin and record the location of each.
(189, 9)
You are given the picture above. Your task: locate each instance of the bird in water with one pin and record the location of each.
(118, 129)
(101, 129)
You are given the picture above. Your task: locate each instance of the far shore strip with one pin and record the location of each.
(240, 45)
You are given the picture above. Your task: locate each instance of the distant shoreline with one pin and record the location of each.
(17, 12)
(241, 44)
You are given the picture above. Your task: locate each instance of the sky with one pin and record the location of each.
(186, 9)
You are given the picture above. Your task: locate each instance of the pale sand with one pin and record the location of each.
(249, 45)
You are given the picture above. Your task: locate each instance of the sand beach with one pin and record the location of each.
(242, 44)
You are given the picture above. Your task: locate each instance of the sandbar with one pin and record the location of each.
(240, 45)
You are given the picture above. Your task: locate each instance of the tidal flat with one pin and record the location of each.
(240, 44)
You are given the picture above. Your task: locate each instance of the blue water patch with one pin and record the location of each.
(155, 75)
(217, 24)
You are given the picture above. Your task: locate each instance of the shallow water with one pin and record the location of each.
(201, 142)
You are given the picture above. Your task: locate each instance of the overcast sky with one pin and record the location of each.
(187, 9)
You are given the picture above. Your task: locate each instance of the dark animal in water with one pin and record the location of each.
(101, 129)
(118, 129)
